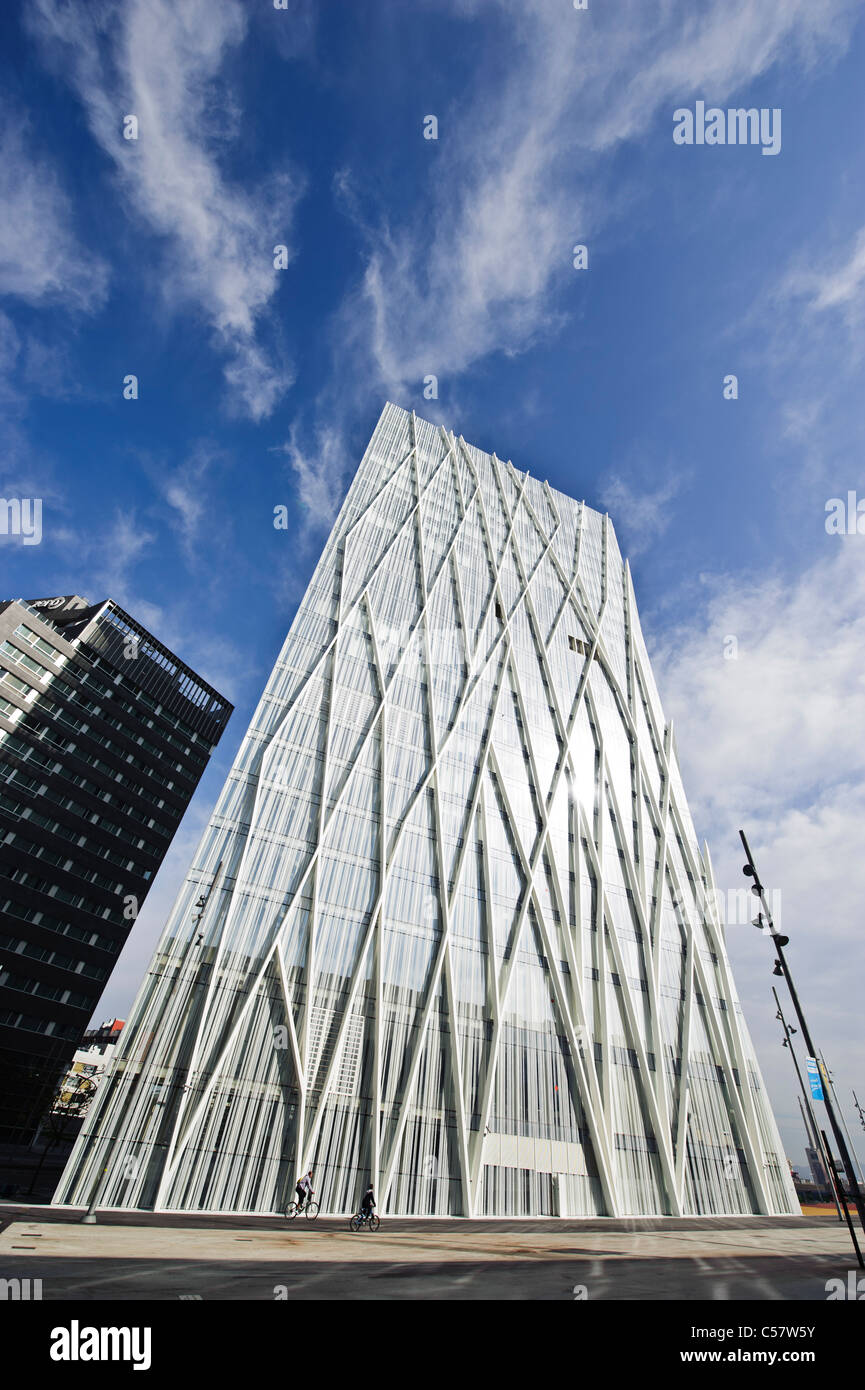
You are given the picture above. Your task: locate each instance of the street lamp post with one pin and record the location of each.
(779, 942)
(827, 1076)
(808, 1112)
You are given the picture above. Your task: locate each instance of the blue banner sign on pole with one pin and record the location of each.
(814, 1078)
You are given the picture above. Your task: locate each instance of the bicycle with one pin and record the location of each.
(310, 1210)
(360, 1221)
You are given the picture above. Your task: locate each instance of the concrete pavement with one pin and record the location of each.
(142, 1256)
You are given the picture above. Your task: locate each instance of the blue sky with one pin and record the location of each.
(408, 257)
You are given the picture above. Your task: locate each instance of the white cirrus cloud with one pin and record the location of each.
(41, 260)
(805, 335)
(319, 472)
(167, 64)
(837, 284)
(640, 514)
(475, 266)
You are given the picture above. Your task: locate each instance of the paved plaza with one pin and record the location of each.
(142, 1256)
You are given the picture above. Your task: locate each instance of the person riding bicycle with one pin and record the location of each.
(304, 1190)
(368, 1203)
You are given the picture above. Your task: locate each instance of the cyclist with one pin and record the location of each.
(366, 1206)
(304, 1190)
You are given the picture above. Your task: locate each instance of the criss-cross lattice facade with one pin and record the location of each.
(449, 929)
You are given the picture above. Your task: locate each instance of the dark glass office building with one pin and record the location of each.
(104, 734)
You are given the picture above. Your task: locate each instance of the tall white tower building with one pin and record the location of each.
(449, 929)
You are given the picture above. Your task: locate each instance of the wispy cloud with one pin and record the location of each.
(639, 515)
(164, 63)
(481, 262)
(10, 349)
(291, 31)
(114, 554)
(481, 265)
(194, 508)
(44, 265)
(41, 260)
(805, 334)
(838, 284)
(319, 473)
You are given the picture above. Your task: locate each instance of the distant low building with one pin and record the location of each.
(89, 1065)
(819, 1176)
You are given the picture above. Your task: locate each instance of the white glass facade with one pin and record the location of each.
(449, 929)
